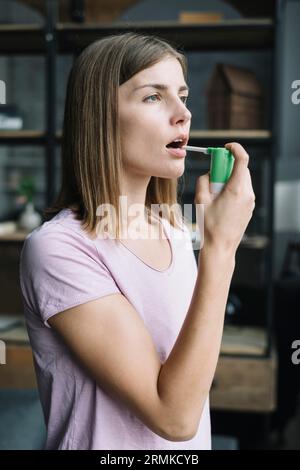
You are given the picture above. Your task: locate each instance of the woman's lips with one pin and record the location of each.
(177, 152)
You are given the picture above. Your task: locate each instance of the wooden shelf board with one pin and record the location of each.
(227, 34)
(229, 133)
(22, 39)
(196, 135)
(22, 137)
(12, 237)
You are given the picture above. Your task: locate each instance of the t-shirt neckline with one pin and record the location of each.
(171, 265)
(168, 237)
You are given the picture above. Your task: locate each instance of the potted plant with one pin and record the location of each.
(29, 218)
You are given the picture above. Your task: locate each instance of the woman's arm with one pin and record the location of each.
(186, 376)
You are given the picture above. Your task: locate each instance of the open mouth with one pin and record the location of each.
(176, 144)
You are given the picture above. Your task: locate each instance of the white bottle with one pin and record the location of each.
(30, 218)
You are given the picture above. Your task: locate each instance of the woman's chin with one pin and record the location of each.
(176, 169)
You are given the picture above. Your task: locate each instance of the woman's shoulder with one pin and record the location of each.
(60, 236)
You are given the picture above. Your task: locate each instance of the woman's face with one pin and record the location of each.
(151, 118)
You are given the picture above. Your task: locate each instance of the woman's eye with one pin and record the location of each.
(184, 99)
(155, 96)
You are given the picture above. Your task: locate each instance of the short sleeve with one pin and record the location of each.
(60, 269)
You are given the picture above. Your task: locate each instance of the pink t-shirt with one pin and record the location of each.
(61, 267)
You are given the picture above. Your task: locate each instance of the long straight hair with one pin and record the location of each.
(91, 145)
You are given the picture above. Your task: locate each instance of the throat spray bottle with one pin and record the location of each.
(221, 165)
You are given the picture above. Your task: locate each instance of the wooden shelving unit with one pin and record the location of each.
(54, 38)
(228, 34)
(235, 35)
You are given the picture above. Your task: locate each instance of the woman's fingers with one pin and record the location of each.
(241, 160)
(240, 183)
(238, 152)
(202, 193)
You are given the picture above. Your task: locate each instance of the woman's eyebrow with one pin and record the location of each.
(160, 86)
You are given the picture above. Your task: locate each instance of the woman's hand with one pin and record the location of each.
(226, 215)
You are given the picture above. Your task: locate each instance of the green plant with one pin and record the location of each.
(26, 188)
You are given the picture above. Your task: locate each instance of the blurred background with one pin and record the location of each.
(244, 78)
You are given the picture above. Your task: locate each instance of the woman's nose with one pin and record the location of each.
(181, 113)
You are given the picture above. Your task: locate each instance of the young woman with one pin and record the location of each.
(126, 331)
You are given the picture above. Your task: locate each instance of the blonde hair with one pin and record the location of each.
(91, 148)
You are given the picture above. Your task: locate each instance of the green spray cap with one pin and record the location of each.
(221, 164)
